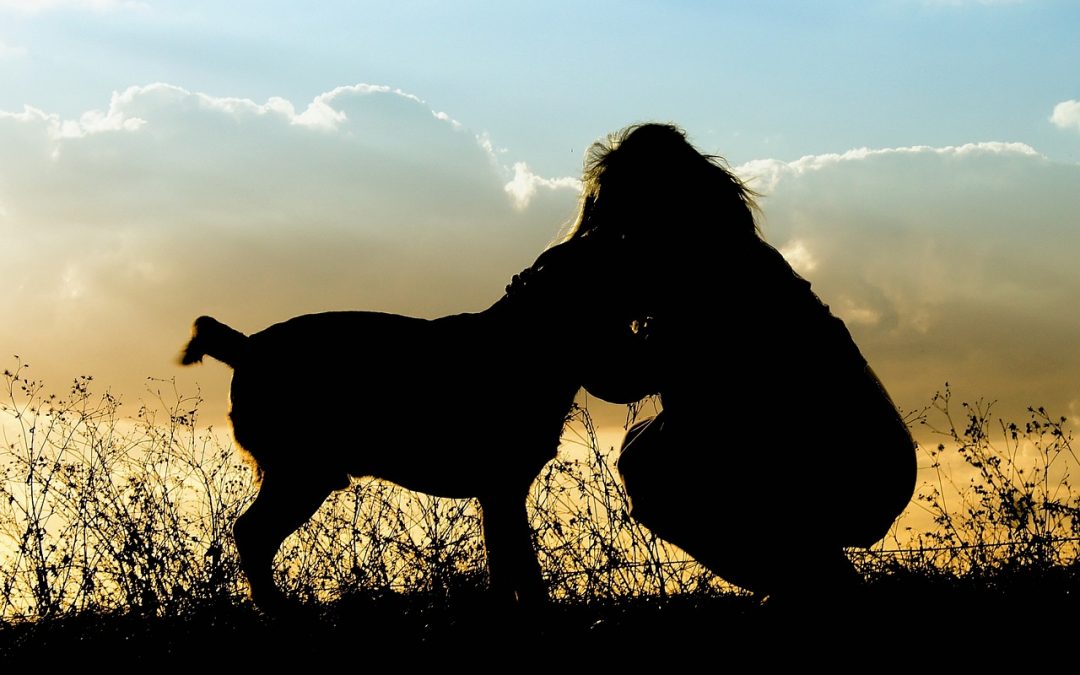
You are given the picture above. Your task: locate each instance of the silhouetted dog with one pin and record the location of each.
(400, 391)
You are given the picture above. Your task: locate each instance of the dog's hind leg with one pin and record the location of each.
(512, 565)
(284, 503)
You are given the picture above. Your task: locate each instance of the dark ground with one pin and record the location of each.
(897, 623)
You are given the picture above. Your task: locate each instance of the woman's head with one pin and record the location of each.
(648, 177)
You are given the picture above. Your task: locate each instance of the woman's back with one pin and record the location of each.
(760, 381)
(775, 434)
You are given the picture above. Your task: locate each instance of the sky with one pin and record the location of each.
(919, 161)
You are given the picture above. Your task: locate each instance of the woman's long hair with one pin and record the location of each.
(650, 172)
(650, 200)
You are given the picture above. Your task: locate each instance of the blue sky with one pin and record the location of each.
(159, 160)
(776, 79)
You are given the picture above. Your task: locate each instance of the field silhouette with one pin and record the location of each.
(113, 538)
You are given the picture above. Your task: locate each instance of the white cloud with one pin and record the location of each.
(764, 174)
(167, 203)
(524, 185)
(1066, 115)
(91, 122)
(948, 264)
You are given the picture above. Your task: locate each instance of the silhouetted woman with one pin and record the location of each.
(777, 445)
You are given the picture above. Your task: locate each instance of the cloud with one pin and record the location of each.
(124, 223)
(765, 174)
(948, 264)
(524, 185)
(91, 122)
(1066, 115)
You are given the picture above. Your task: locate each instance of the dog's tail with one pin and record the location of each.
(210, 337)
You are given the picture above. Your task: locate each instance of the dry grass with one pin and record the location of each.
(106, 515)
(101, 512)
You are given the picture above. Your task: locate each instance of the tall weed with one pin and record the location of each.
(100, 511)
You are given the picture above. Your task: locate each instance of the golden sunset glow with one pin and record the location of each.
(253, 162)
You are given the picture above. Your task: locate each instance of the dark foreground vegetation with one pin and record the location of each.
(114, 549)
(913, 621)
